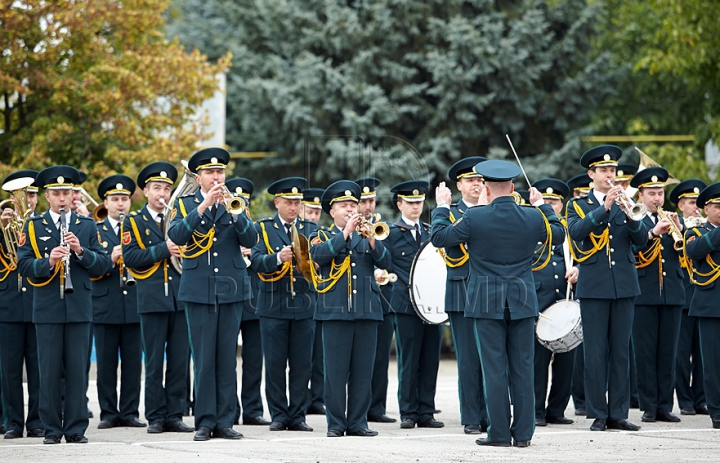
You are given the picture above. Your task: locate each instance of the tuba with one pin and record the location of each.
(187, 186)
(13, 229)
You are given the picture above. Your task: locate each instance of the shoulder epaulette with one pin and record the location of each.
(134, 213)
(266, 219)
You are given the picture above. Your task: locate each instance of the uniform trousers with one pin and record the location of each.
(378, 403)
(252, 363)
(689, 379)
(18, 344)
(317, 375)
(710, 346)
(560, 388)
(470, 377)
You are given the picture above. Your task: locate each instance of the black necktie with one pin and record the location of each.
(418, 237)
(288, 227)
(655, 217)
(117, 228)
(161, 221)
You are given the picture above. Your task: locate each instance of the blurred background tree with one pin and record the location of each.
(98, 86)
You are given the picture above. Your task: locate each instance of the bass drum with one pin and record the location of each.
(428, 275)
(559, 327)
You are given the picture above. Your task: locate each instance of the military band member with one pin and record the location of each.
(689, 387)
(116, 323)
(146, 252)
(286, 306)
(702, 244)
(349, 307)
(78, 205)
(18, 341)
(311, 209)
(250, 403)
(500, 293)
(603, 236)
(214, 287)
(658, 308)
(624, 173)
(418, 343)
(54, 264)
(551, 279)
(580, 185)
(378, 402)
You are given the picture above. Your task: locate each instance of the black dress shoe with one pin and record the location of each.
(558, 420)
(277, 426)
(51, 440)
(381, 419)
(667, 417)
(301, 426)
(13, 434)
(256, 421)
(407, 423)
(155, 428)
(521, 443)
(431, 423)
(3, 430)
(90, 414)
(634, 404)
(107, 423)
(177, 426)
(540, 421)
(76, 439)
(363, 433)
(202, 434)
(702, 410)
(580, 412)
(227, 433)
(716, 422)
(472, 429)
(316, 410)
(132, 423)
(598, 425)
(688, 411)
(486, 441)
(36, 433)
(623, 425)
(649, 417)
(334, 433)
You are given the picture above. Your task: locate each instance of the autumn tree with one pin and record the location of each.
(96, 85)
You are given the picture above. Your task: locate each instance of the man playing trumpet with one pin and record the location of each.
(116, 323)
(658, 307)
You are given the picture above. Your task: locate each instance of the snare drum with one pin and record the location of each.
(559, 327)
(428, 276)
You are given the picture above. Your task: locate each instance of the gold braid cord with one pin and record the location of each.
(545, 249)
(141, 274)
(711, 276)
(7, 264)
(336, 272)
(654, 253)
(201, 242)
(454, 262)
(598, 241)
(59, 266)
(286, 266)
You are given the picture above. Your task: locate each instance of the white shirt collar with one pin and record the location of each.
(409, 222)
(153, 214)
(55, 217)
(599, 196)
(113, 223)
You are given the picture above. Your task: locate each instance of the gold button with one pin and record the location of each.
(612, 263)
(214, 239)
(663, 260)
(24, 289)
(202, 223)
(125, 293)
(294, 279)
(557, 290)
(216, 270)
(556, 277)
(350, 252)
(664, 273)
(170, 278)
(353, 264)
(354, 291)
(610, 236)
(403, 253)
(612, 249)
(354, 277)
(215, 254)
(554, 263)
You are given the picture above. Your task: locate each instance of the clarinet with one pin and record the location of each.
(67, 287)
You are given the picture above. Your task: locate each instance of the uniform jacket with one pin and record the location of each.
(673, 292)
(702, 243)
(550, 282)
(363, 301)
(609, 273)
(402, 247)
(501, 240)
(457, 277)
(112, 303)
(145, 251)
(276, 299)
(41, 236)
(219, 274)
(12, 307)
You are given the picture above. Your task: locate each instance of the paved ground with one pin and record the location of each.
(691, 440)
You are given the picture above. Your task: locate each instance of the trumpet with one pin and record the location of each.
(634, 211)
(234, 204)
(66, 285)
(674, 230)
(124, 280)
(387, 278)
(377, 230)
(694, 221)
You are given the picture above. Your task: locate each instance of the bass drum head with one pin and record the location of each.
(428, 276)
(559, 327)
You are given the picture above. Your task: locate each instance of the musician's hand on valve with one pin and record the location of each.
(443, 194)
(352, 224)
(57, 254)
(611, 197)
(675, 218)
(72, 241)
(213, 195)
(286, 254)
(572, 275)
(172, 247)
(7, 214)
(116, 253)
(663, 226)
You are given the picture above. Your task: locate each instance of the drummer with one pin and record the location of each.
(551, 281)
(418, 343)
